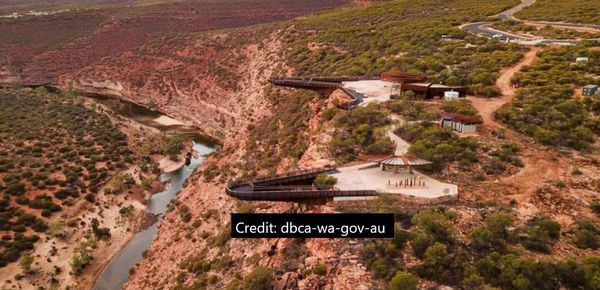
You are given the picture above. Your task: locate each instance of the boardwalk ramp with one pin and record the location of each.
(281, 188)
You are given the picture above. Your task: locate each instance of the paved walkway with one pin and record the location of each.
(369, 176)
(360, 178)
(373, 90)
(401, 144)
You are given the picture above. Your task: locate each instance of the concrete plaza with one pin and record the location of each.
(369, 176)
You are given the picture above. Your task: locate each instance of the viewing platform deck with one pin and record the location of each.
(271, 188)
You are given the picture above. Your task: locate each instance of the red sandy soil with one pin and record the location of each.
(40, 52)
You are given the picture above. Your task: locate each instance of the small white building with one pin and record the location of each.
(451, 95)
(460, 123)
(582, 60)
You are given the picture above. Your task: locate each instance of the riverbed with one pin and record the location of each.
(116, 272)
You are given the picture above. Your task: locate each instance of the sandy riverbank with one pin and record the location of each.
(168, 121)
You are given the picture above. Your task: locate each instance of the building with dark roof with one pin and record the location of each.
(590, 90)
(460, 123)
(431, 90)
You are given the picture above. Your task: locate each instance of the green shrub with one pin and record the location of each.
(320, 269)
(259, 279)
(443, 265)
(512, 272)
(83, 256)
(245, 207)
(438, 145)
(431, 226)
(400, 237)
(100, 233)
(586, 235)
(595, 207)
(540, 233)
(403, 281)
(330, 113)
(493, 235)
(25, 263)
(325, 180)
(361, 130)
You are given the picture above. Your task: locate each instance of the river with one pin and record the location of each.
(116, 273)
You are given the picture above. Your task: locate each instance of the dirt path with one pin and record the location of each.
(401, 144)
(540, 165)
(487, 107)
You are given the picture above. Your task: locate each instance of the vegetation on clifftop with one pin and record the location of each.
(367, 40)
(544, 31)
(495, 254)
(545, 107)
(361, 130)
(577, 11)
(406, 35)
(281, 135)
(53, 151)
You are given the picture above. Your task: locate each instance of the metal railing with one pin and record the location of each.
(257, 189)
(290, 187)
(303, 83)
(293, 195)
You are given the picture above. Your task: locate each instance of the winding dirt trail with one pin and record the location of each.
(540, 165)
(487, 107)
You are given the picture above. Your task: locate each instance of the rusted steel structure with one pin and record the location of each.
(430, 90)
(323, 85)
(328, 79)
(273, 188)
(306, 83)
(407, 81)
(397, 76)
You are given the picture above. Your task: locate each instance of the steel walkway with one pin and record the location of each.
(324, 83)
(271, 188)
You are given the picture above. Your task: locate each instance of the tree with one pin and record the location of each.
(493, 234)
(100, 233)
(541, 232)
(586, 235)
(259, 279)
(325, 180)
(442, 264)
(403, 281)
(400, 237)
(409, 95)
(26, 262)
(512, 272)
(431, 227)
(83, 256)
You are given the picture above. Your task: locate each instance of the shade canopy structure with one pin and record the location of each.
(399, 163)
(404, 160)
